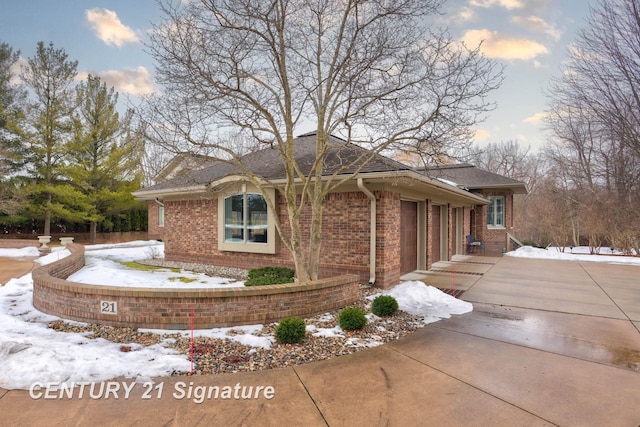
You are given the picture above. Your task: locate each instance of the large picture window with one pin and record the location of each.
(245, 218)
(245, 224)
(495, 212)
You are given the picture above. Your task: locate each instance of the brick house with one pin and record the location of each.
(213, 215)
(493, 223)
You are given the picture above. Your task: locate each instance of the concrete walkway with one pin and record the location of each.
(548, 343)
(13, 268)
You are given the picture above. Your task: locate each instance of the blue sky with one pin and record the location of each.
(530, 37)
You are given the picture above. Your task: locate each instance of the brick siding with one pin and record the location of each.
(345, 237)
(495, 239)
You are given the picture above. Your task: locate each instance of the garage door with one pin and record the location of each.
(408, 237)
(435, 234)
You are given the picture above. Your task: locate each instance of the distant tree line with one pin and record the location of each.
(69, 159)
(585, 184)
(130, 220)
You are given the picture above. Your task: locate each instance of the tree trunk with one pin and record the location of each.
(93, 226)
(47, 217)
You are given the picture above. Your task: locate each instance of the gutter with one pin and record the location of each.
(409, 174)
(373, 232)
(144, 194)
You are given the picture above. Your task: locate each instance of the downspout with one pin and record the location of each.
(157, 200)
(373, 232)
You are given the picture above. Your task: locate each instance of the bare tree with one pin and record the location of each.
(594, 114)
(372, 72)
(509, 158)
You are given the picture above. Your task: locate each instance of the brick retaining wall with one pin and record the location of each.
(170, 308)
(18, 243)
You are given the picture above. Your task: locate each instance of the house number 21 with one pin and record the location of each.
(108, 307)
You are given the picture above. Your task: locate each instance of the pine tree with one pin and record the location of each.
(45, 131)
(105, 153)
(10, 112)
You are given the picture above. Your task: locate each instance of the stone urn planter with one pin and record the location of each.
(64, 241)
(44, 240)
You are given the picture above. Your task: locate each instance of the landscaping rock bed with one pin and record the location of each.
(220, 355)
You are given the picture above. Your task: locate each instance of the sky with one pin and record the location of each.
(529, 37)
(31, 352)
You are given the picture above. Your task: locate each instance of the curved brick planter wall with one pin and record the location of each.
(170, 308)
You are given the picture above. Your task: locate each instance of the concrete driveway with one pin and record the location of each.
(548, 343)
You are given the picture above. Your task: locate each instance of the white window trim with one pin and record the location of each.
(270, 247)
(160, 216)
(504, 213)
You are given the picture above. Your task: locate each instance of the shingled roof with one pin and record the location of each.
(472, 178)
(446, 183)
(341, 157)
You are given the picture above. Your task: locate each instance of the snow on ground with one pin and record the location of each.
(31, 352)
(575, 254)
(31, 251)
(55, 255)
(426, 301)
(104, 266)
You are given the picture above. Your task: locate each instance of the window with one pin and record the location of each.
(245, 224)
(160, 216)
(245, 219)
(495, 212)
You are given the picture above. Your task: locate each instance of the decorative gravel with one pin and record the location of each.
(220, 355)
(210, 270)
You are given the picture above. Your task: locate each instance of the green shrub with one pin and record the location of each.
(352, 318)
(291, 330)
(270, 276)
(384, 305)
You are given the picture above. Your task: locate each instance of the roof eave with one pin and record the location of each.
(142, 195)
(446, 188)
(369, 176)
(516, 188)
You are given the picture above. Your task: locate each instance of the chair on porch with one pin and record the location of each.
(472, 244)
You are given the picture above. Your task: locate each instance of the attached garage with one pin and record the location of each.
(408, 237)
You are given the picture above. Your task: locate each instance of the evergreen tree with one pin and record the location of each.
(46, 130)
(105, 154)
(10, 97)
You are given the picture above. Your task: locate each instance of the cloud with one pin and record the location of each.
(507, 4)
(481, 135)
(535, 23)
(501, 46)
(536, 118)
(466, 14)
(108, 27)
(134, 81)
